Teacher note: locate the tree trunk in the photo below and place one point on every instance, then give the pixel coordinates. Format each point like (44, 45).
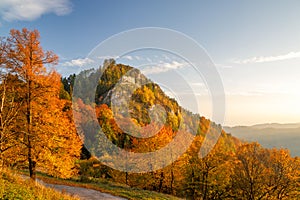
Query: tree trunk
(31, 162)
(172, 180)
(161, 181)
(205, 186)
(126, 178)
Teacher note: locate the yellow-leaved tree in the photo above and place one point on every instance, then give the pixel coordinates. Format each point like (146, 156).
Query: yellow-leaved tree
(47, 137)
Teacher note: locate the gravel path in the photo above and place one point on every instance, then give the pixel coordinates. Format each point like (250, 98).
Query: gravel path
(82, 193)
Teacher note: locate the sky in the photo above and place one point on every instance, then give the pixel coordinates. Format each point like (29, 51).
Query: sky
(255, 46)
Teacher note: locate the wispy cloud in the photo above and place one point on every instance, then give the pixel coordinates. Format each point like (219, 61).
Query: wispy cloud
(262, 59)
(108, 57)
(163, 67)
(80, 62)
(128, 57)
(149, 60)
(137, 57)
(28, 10)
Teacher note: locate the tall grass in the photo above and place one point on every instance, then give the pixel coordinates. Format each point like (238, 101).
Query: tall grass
(13, 187)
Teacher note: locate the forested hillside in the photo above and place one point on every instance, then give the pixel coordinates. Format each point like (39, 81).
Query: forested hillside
(225, 173)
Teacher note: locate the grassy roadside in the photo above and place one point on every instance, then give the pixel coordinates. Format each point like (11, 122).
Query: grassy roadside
(105, 186)
(13, 187)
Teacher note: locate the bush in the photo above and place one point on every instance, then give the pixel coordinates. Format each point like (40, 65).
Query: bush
(93, 168)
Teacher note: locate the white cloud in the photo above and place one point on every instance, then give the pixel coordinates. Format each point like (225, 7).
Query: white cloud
(80, 62)
(137, 57)
(108, 57)
(173, 65)
(128, 57)
(29, 10)
(163, 67)
(262, 59)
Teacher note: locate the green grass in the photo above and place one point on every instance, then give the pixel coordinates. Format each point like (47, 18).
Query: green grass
(13, 187)
(113, 188)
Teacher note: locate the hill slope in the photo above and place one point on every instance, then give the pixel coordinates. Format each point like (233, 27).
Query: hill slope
(145, 95)
(127, 136)
(175, 170)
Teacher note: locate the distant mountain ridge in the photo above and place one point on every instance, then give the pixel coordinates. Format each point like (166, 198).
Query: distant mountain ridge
(271, 125)
(270, 135)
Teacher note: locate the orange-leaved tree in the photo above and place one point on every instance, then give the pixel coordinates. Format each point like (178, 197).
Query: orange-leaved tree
(47, 138)
(260, 173)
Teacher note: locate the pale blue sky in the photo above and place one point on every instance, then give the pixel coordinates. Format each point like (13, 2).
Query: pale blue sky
(255, 44)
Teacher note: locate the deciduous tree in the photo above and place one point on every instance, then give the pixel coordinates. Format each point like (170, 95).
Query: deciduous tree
(47, 137)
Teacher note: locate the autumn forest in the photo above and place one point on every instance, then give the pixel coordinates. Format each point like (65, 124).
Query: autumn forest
(38, 133)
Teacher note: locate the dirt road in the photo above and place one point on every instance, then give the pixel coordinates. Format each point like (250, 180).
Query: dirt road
(82, 193)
